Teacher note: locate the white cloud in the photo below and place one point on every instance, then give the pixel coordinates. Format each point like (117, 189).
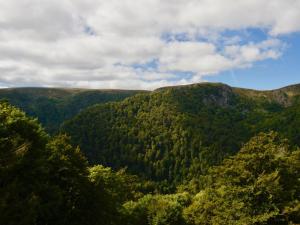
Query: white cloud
(193, 56)
(95, 43)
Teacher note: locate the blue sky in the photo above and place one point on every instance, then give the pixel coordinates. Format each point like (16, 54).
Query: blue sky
(268, 74)
(148, 44)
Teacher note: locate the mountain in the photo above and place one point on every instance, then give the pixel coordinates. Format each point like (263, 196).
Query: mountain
(174, 134)
(187, 146)
(54, 105)
(169, 135)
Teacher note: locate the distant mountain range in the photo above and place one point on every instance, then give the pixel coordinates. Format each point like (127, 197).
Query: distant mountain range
(169, 135)
(52, 106)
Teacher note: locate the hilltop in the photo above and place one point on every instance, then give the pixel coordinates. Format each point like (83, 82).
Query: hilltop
(177, 133)
(52, 106)
(176, 155)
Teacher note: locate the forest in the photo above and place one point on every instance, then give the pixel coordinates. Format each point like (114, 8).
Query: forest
(187, 155)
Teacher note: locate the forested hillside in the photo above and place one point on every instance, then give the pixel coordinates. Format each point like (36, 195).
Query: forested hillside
(45, 180)
(54, 105)
(175, 134)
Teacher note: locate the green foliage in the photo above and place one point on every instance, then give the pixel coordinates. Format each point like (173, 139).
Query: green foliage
(287, 122)
(190, 139)
(257, 186)
(156, 210)
(53, 106)
(71, 192)
(169, 136)
(119, 185)
(43, 180)
(21, 141)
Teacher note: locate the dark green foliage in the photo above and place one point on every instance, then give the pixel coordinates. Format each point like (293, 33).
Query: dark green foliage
(156, 210)
(260, 185)
(174, 139)
(173, 134)
(43, 180)
(21, 141)
(52, 106)
(119, 185)
(71, 193)
(287, 122)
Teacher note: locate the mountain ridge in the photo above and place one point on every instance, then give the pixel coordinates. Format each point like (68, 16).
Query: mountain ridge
(291, 87)
(52, 106)
(174, 133)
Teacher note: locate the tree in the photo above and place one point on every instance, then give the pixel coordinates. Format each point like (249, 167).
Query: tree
(69, 198)
(156, 210)
(22, 142)
(260, 185)
(44, 180)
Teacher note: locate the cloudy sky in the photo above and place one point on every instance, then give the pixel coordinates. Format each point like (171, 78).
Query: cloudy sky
(145, 44)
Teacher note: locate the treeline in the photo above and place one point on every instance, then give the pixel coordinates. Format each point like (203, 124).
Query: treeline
(52, 106)
(45, 180)
(173, 135)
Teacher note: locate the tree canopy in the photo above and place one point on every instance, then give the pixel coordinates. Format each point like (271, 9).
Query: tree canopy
(177, 156)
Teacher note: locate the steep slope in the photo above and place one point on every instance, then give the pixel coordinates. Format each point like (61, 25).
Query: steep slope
(176, 133)
(169, 135)
(54, 105)
(46, 180)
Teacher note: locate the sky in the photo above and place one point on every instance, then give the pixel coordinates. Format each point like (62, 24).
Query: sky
(146, 44)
